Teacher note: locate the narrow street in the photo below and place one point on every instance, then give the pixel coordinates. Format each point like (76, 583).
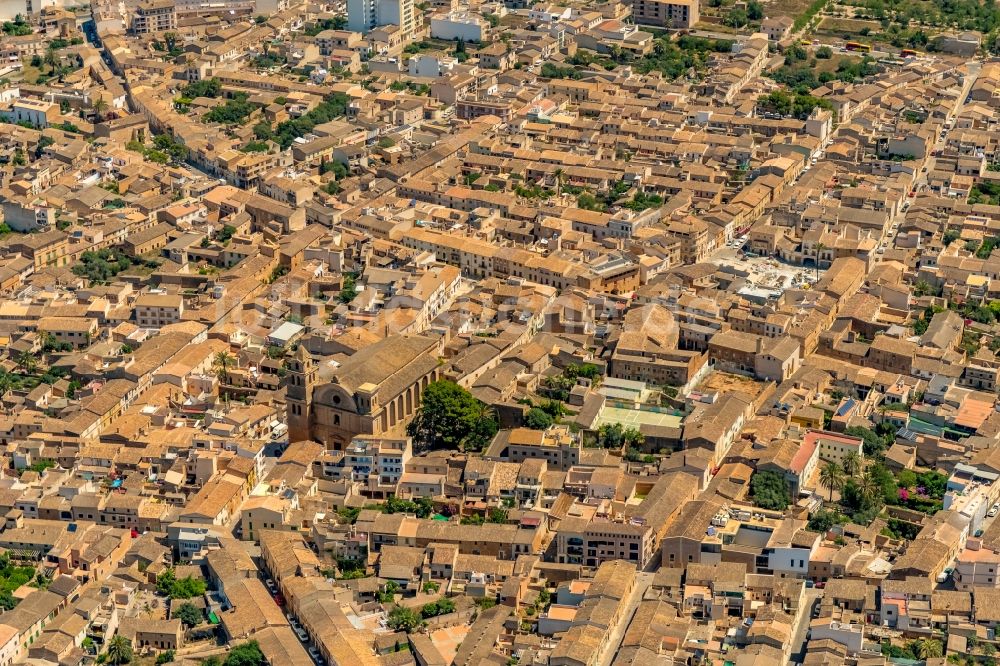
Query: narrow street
(800, 638)
(642, 582)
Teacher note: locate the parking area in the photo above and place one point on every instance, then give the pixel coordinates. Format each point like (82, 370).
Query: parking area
(293, 622)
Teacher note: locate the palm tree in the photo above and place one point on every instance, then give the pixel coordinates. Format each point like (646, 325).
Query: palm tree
(927, 648)
(119, 650)
(100, 106)
(27, 362)
(51, 60)
(632, 437)
(870, 488)
(223, 361)
(819, 249)
(851, 463)
(559, 181)
(831, 477)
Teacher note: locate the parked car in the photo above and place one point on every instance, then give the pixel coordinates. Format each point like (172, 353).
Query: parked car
(301, 633)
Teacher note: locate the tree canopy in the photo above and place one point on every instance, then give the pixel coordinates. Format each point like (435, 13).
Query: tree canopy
(204, 88)
(770, 491)
(188, 587)
(403, 619)
(537, 419)
(439, 607)
(246, 654)
(615, 435)
(189, 614)
(450, 418)
(284, 133)
(119, 650)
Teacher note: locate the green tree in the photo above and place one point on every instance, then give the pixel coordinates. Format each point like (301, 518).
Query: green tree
(769, 490)
(100, 107)
(736, 18)
(824, 53)
(247, 654)
(927, 648)
(188, 587)
(222, 362)
(537, 419)
(403, 619)
(822, 521)
(233, 112)
(755, 11)
(795, 53)
(189, 614)
(119, 650)
(204, 88)
(871, 488)
(851, 463)
(422, 508)
(615, 436)
(450, 417)
(19, 27)
(873, 445)
(388, 593)
(349, 289)
(51, 59)
(439, 607)
(165, 657)
(338, 169)
(27, 362)
(831, 477)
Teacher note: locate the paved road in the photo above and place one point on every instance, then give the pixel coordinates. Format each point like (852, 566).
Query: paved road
(642, 582)
(799, 641)
(975, 67)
